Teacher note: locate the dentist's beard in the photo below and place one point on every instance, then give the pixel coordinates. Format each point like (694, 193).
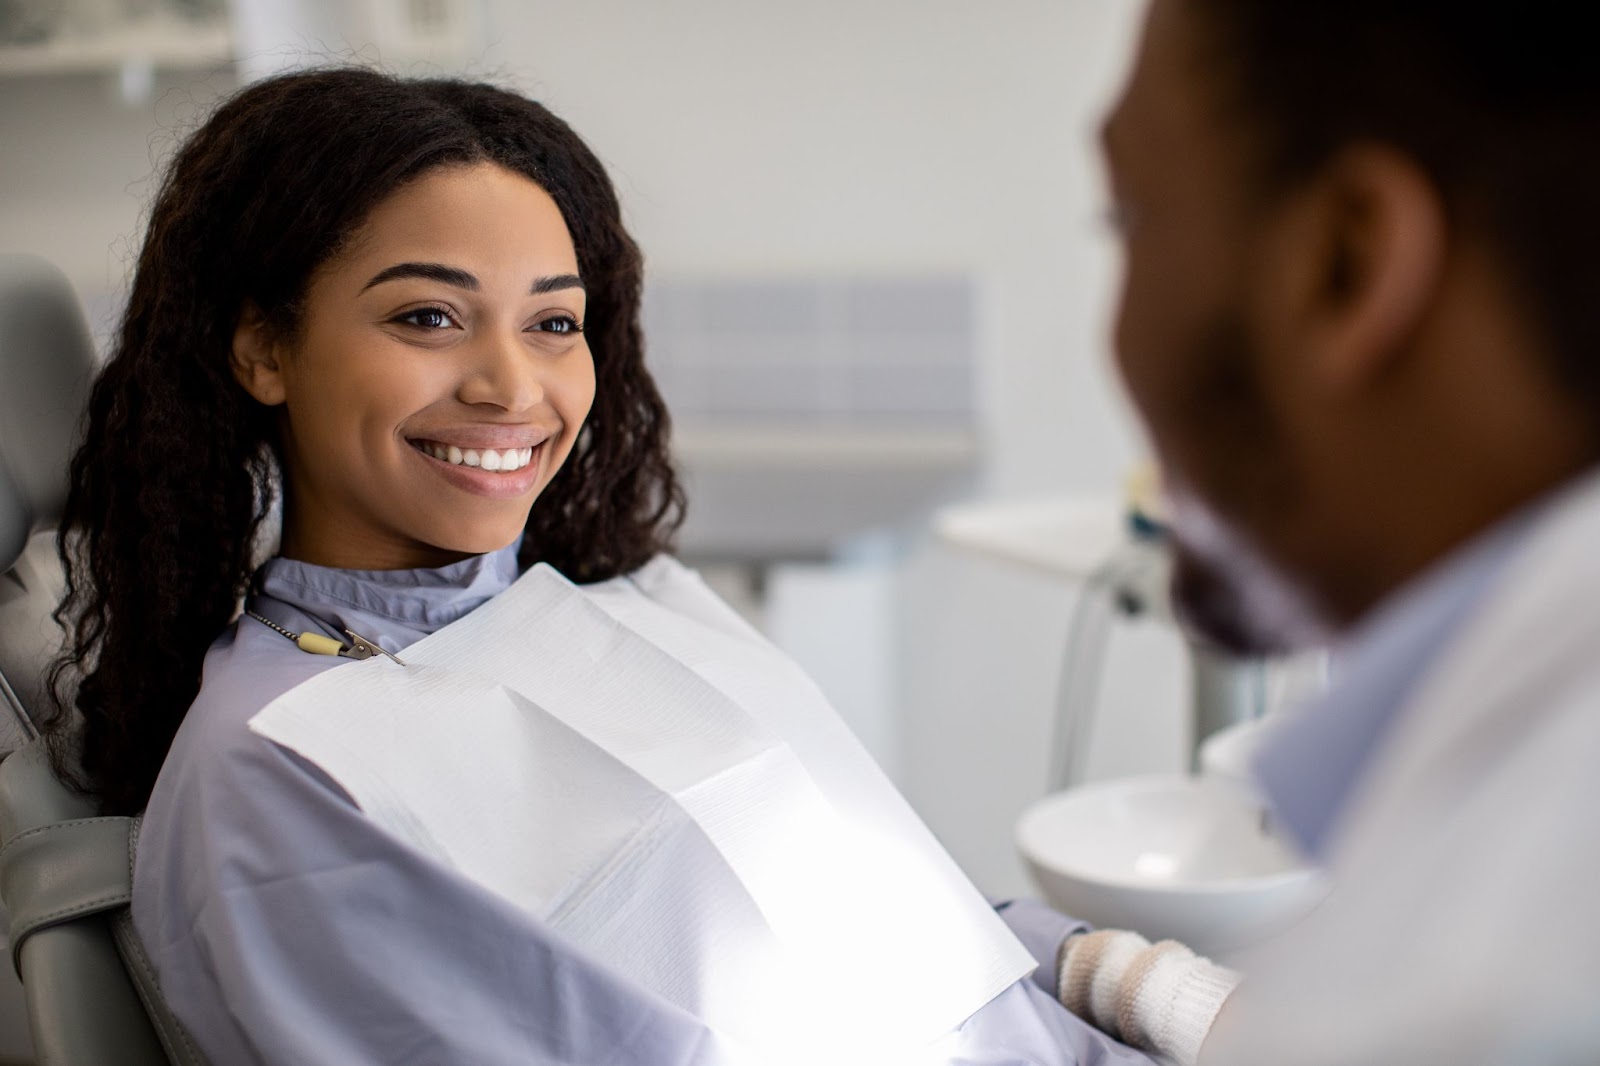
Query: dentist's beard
(1225, 593)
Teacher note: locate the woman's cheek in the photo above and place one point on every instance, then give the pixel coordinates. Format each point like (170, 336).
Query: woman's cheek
(582, 391)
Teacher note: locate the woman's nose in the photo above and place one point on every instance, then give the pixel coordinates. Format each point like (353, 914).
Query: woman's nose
(503, 373)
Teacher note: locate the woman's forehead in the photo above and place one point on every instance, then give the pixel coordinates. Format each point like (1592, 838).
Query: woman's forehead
(493, 223)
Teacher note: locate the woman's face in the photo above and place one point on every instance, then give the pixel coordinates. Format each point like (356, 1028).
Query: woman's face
(438, 381)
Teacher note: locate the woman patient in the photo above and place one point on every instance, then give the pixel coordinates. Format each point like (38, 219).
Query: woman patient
(410, 307)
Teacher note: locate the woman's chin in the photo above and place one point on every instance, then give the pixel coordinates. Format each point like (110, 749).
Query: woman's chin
(478, 542)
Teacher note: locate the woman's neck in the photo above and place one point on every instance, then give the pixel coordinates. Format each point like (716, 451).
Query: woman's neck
(361, 550)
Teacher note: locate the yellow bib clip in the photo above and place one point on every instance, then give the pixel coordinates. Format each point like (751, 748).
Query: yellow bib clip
(357, 647)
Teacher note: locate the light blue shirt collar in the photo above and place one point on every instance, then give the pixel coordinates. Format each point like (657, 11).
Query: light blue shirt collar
(395, 608)
(1310, 767)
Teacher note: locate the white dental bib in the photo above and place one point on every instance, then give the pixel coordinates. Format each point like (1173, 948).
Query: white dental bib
(639, 770)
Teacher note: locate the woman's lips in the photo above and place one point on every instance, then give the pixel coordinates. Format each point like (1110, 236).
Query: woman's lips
(482, 480)
(507, 459)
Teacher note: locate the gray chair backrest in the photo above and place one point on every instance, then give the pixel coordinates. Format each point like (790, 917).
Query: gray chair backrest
(67, 877)
(65, 874)
(46, 363)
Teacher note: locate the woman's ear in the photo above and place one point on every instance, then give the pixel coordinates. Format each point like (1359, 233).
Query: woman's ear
(257, 358)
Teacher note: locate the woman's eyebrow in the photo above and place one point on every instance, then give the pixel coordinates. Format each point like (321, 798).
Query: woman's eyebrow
(555, 283)
(446, 275)
(461, 279)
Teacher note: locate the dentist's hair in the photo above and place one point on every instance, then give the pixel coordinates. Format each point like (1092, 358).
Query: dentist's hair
(176, 472)
(1499, 105)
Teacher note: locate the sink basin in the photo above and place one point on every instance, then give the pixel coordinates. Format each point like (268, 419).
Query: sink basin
(1179, 857)
(1228, 753)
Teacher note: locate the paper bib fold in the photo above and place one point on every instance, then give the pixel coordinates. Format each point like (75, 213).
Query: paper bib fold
(633, 766)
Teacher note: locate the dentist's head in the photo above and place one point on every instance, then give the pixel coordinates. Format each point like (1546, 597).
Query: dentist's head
(415, 299)
(1357, 307)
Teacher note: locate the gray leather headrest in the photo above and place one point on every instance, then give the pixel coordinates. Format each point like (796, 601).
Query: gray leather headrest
(46, 364)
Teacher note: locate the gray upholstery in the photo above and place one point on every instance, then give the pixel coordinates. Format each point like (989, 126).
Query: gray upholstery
(27, 637)
(46, 362)
(60, 871)
(65, 873)
(29, 592)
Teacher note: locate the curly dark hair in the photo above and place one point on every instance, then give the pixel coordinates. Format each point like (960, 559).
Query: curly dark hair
(177, 470)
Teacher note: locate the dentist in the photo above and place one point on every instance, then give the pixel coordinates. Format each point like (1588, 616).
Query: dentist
(1359, 321)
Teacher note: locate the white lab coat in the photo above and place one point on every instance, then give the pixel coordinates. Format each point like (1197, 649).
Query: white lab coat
(1464, 925)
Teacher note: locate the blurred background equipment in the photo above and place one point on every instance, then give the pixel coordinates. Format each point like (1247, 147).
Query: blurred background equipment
(1187, 854)
(813, 412)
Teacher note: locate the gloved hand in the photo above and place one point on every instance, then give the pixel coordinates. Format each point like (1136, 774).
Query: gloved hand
(1160, 997)
(1157, 997)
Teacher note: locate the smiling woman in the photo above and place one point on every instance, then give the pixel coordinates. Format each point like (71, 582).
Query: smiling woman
(409, 310)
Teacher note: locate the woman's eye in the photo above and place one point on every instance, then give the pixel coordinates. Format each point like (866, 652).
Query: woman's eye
(560, 325)
(426, 318)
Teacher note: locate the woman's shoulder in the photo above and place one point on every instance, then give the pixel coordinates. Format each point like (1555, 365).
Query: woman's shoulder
(231, 811)
(228, 803)
(247, 668)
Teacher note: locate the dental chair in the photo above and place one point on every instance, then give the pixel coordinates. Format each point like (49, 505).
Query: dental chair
(65, 874)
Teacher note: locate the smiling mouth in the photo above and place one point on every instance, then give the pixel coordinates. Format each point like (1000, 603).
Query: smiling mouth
(504, 461)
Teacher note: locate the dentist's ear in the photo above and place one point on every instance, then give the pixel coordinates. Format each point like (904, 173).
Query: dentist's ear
(256, 359)
(1369, 249)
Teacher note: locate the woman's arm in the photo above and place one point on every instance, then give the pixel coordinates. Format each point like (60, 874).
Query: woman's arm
(286, 928)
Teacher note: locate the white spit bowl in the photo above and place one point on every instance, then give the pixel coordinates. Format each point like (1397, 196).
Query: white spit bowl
(1178, 857)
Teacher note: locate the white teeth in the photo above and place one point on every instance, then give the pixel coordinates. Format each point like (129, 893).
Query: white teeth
(487, 458)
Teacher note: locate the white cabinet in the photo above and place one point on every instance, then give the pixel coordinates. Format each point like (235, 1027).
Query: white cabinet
(54, 37)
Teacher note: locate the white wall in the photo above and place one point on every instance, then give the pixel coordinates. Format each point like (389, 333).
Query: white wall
(78, 165)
